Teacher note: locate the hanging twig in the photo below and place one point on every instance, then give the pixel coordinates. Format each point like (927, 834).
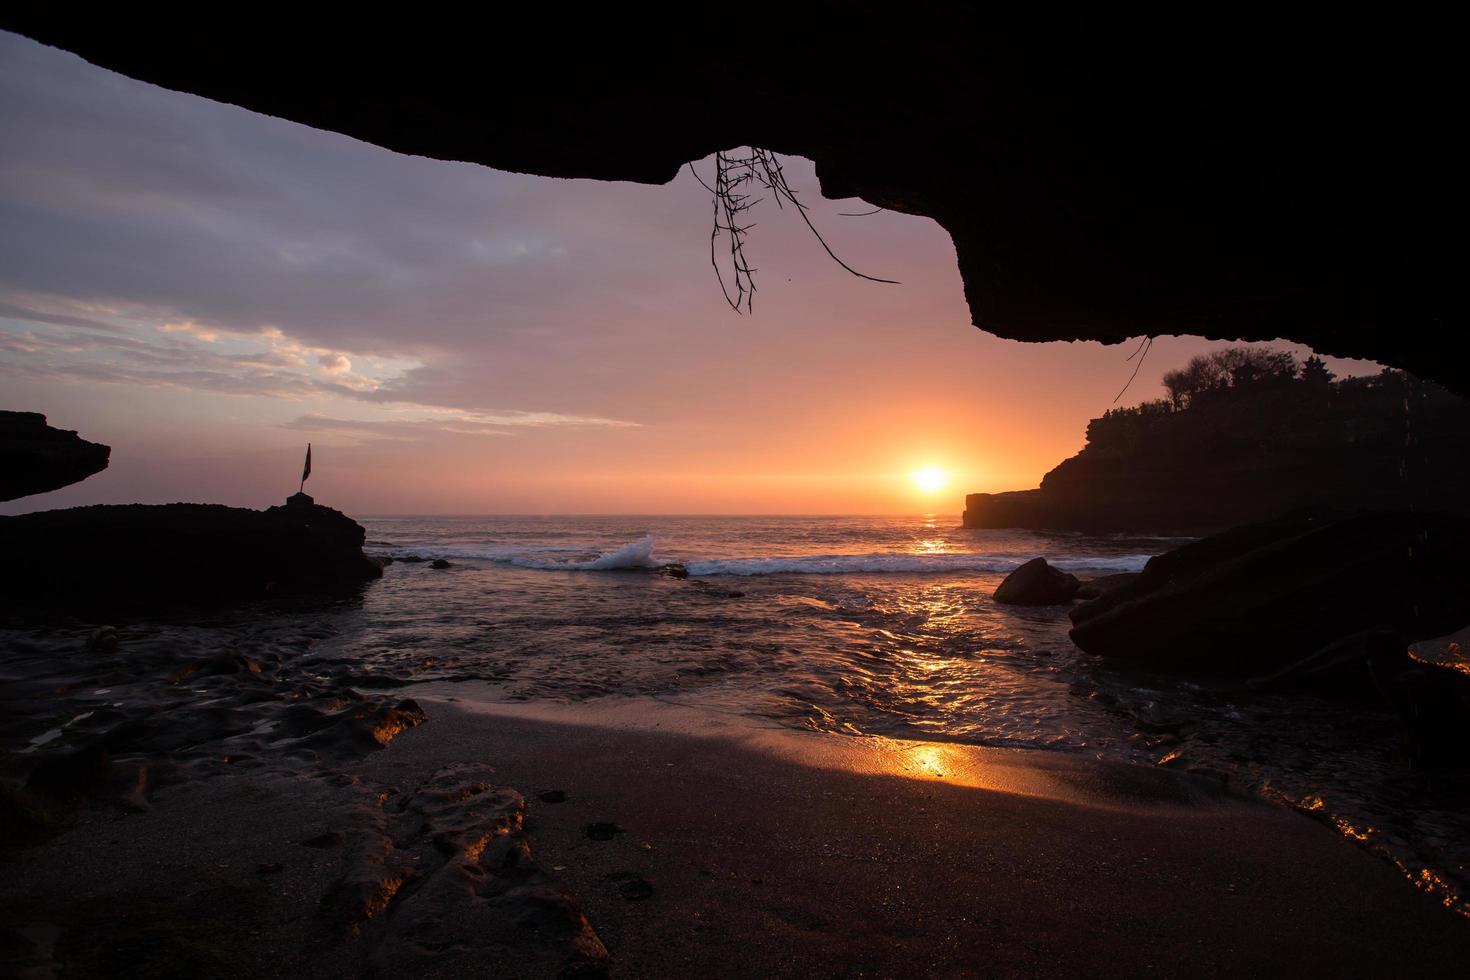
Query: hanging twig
(735, 175)
(1142, 352)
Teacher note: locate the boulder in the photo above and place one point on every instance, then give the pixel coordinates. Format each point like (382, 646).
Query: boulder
(35, 458)
(1037, 584)
(1434, 703)
(135, 559)
(1094, 588)
(1257, 599)
(439, 563)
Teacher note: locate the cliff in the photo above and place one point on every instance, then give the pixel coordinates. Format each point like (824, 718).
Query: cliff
(1386, 442)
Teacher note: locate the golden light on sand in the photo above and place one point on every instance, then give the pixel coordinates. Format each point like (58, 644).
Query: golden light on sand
(929, 479)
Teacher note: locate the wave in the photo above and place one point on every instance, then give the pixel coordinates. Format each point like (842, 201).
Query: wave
(639, 555)
(634, 554)
(905, 563)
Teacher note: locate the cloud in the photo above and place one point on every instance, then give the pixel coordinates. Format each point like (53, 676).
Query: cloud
(199, 219)
(335, 364)
(192, 329)
(485, 424)
(12, 311)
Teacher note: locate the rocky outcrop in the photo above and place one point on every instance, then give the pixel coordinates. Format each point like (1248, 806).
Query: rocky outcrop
(1102, 174)
(1385, 442)
(1037, 584)
(1261, 598)
(135, 558)
(35, 458)
(445, 881)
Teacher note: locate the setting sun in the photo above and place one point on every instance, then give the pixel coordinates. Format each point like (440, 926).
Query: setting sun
(930, 479)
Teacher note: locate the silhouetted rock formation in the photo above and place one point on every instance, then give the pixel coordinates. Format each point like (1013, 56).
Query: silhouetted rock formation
(1102, 174)
(133, 558)
(1037, 584)
(1261, 598)
(1243, 456)
(35, 458)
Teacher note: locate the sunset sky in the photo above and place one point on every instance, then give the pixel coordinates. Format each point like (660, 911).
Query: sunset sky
(206, 289)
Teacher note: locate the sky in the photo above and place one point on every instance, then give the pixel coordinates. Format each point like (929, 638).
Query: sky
(206, 290)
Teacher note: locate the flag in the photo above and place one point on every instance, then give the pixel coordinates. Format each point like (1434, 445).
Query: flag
(306, 470)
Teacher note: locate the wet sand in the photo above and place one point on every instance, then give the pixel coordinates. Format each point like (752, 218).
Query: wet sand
(742, 851)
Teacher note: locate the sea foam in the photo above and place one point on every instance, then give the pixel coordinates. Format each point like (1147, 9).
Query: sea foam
(639, 555)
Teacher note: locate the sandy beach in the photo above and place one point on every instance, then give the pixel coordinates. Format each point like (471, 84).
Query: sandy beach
(733, 850)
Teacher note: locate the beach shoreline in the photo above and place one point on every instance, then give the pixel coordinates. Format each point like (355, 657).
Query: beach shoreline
(735, 848)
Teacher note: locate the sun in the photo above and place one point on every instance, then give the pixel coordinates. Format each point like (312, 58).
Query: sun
(929, 479)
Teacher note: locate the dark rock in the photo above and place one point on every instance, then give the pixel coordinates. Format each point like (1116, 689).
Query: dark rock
(1356, 666)
(82, 772)
(479, 896)
(554, 796)
(330, 838)
(365, 889)
(269, 868)
(1434, 704)
(134, 558)
(1037, 584)
(1099, 179)
(1093, 588)
(439, 563)
(413, 559)
(356, 730)
(603, 831)
(35, 458)
(673, 570)
(1258, 599)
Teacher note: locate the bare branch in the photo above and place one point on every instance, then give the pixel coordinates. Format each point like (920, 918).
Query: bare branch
(1141, 353)
(734, 172)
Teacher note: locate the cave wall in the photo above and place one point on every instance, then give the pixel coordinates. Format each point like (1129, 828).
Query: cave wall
(1247, 176)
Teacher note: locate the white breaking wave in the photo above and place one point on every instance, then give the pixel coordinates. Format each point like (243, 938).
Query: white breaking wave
(959, 562)
(639, 555)
(634, 554)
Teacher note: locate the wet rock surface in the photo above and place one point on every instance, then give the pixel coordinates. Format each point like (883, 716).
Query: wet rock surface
(432, 876)
(36, 458)
(445, 877)
(1259, 598)
(88, 724)
(137, 559)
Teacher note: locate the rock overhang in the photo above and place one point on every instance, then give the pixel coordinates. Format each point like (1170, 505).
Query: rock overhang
(1101, 178)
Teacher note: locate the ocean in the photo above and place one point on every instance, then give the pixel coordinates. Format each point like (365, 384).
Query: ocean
(859, 626)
